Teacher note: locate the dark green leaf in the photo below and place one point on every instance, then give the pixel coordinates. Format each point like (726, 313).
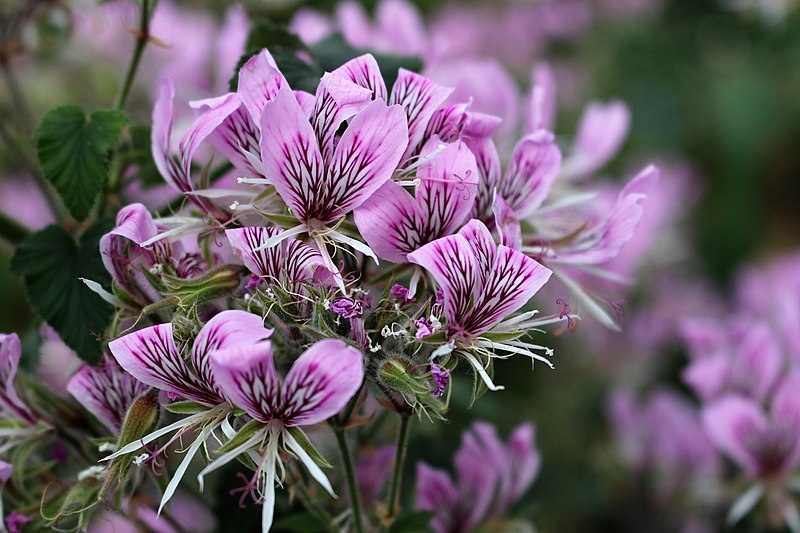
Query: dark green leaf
(74, 151)
(52, 262)
(415, 522)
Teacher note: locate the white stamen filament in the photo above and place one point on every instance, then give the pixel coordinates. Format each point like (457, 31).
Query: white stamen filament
(481, 372)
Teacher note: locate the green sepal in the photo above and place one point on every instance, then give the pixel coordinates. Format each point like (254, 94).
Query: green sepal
(302, 439)
(243, 435)
(185, 407)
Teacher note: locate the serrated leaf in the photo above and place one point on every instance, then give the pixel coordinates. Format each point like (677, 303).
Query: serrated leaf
(53, 262)
(412, 522)
(74, 152)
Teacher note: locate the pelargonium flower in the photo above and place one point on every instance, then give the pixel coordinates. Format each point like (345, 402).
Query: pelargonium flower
(320, 383)
(766, 446)
(320, 176)
(106, 391)
(491, 477)
(483, 283)
(152, 357)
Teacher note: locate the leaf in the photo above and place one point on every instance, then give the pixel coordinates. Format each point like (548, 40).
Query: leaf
(299, 523)
(412, 522)
(243, 435)
(74, 153)
(53, 262)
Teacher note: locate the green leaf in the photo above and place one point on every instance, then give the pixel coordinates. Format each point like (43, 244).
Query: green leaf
(52, 262)
(415, 522)
(299, 523)
(74, 153)
(242, 436)
(185, 407)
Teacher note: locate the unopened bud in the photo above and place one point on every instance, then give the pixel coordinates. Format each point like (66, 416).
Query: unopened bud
(216, 283)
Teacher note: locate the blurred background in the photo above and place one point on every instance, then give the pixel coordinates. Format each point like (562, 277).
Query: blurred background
(714, 93)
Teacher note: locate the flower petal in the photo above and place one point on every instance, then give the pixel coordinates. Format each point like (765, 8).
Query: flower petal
(452, 264)
(419, 97)
(391, 222)
(447, 191)
(436, 492)
(10, 352)
(150, 355)
(512, 281)
(507, 224)
(291, 156)
(477, 134)
(291, 261)
(364, 72)
(225, 330)
(534, 167)
(733, 424)
(161, 137)
(321, 382)
(246, 372)
(106, 391)
(601, 131)
(259, 82)
(542, 104)
(365, 158)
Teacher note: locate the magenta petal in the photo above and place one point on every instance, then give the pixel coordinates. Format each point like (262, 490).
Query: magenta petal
(338, 98)
(733, 424)
(106, 391)
(759, 363)
(321, 382)
(507, 224)
(216, 112)
(708, 375)
(10, 352)
(524, 457)
(134, 227)
(364, 72)
(477, 135)
(259, 82)
(6, 469)
(436, 492)
(237, 133)
(513, 280)
(365, 158)
(452, 265)
(419, 97)
(449, 184)
(483, 248)
(542, 103)
(391, 222)
(601, 132)
(161, 137)
(246, 372)
(150, 355)
(291, 156)
(292, 261)
(225, 330)
(534, 167)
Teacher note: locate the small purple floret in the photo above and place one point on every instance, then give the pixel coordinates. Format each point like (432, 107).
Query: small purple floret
(441, 376)
(424, 328)
(347, 307)
(401, 293)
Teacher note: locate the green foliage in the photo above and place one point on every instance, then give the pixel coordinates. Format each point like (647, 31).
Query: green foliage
(326, 56)
(74, 153)
(53, 262)
(299, 523)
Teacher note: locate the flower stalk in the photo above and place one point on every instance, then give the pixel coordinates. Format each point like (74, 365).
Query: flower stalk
(399, 460)
(352, 484)
(142, 37)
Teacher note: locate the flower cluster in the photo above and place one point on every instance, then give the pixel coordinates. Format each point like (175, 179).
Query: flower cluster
(332, 249)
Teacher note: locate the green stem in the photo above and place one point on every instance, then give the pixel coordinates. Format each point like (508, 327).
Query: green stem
(318, 512)
(352, 486)
(399, 459)
(141, 42)
(17, 97)
(11, 230)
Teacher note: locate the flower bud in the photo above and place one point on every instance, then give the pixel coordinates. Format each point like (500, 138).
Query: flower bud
(216, 283)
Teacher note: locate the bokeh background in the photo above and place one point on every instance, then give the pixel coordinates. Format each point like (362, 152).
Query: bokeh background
(714, 92)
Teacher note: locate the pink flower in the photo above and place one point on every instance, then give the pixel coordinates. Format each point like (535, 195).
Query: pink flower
(10, 351)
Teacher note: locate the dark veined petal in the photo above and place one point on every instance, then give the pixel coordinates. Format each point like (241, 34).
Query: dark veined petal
(291, 156)
(365, 158)
(391, 222)
(534, 167)
(734, 424)
(364, 72)
(483, 249)
(246, 372)
(237, 134)
(477, 134)
(321, 382)
(338, 98)
(150, 355)
(225, 330)
(106, 391)
(451, 263)
(10, 352)
(448, 185)
(436, 492)
(259, 82)
(419, 97)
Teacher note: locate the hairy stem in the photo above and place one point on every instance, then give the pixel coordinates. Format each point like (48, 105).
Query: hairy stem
(399, 459)
(352, 486)
(141, 41)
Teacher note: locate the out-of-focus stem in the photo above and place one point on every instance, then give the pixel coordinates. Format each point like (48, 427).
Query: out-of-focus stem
(399, 459)
(21, 107)
(352, 486)
(141, 42)
(11, 230)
